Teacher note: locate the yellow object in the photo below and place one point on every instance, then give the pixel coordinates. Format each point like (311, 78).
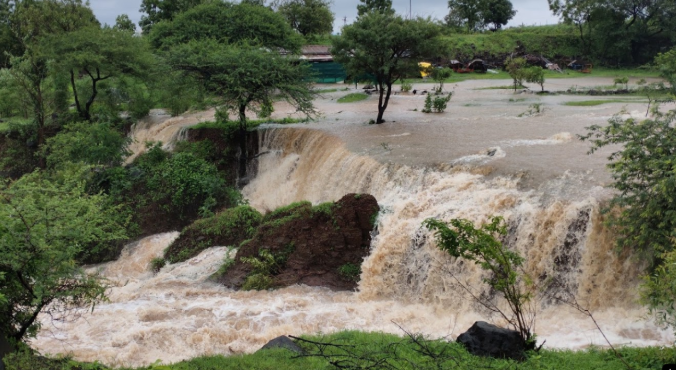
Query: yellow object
(425, 66)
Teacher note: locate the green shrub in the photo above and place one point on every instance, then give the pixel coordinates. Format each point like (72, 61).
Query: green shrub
(437, 104)
(157, 263)
(350, 271)
(353, 97)
(86, 142)
(264, 267)
(406, 86)
(229, 227)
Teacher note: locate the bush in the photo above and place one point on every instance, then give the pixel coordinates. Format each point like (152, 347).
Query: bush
(89, 143)
(157, 263)
(350, 271)
(437, 104)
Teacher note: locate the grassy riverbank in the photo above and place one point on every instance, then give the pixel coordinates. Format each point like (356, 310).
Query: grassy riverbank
(362, 349)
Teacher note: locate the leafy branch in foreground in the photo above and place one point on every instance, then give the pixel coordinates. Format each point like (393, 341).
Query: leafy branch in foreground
(45, 224)
(461, 239)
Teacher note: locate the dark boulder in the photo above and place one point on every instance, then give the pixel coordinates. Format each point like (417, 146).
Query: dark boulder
(283, 342)
(484, 339)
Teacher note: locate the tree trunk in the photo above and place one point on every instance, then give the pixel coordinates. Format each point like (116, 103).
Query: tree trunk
(242, 171)
(383, 101)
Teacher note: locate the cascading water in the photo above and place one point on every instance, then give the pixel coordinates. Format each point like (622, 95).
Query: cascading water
(178, 314)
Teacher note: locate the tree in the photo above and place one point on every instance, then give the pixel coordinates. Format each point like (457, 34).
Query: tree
(465, 14)
(246, 78)
(101, 54)
(227, 23)
(496, 12)
(387, 47)
(380, 6)
(44, 224)
(30, 23)
(461, 239)
(163, 10)
(643, 170)
(535, 75)
(515, 67)
(123, 23)
(308, 17)
(621, 31)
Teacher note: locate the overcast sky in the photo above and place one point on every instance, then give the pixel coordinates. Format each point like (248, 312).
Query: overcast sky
(529, 12)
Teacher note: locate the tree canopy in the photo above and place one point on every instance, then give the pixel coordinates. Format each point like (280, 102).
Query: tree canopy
(387, 47)
(246, 78)
(476, 15)
(380, 6)
(156, 11)
(227, 23)
(308, 17)
(101, 54)
(622, 31)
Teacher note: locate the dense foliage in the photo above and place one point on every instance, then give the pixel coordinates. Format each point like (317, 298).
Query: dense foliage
(308, 17)
(471, 16)
(45, 223)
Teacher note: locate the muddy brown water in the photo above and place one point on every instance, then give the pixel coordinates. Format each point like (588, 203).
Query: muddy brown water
(538, 177)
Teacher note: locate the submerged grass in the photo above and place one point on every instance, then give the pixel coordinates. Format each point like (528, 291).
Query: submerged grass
(353, 97)
(592, 103)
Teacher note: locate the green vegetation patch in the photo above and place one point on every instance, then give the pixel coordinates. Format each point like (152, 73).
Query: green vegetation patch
(229, 227)
(353, 97)
(502, 87)
(592, 103)
(400, 352)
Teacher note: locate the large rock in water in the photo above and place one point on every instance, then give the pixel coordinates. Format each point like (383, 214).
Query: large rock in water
(322, 245)
(484, 339)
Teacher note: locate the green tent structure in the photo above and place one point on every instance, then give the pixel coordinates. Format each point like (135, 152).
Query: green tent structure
(322, 64)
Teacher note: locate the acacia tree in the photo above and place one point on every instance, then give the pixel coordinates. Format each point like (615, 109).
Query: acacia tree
(387, 47)
(308, 17)
(44, 225)
(101, 54)
(246, 78)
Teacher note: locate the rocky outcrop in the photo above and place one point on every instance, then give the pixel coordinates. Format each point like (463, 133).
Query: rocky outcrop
(322, 245)
(484, 339)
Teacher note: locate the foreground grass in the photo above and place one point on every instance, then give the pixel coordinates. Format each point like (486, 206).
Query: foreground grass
(353, 97)
(361, 350)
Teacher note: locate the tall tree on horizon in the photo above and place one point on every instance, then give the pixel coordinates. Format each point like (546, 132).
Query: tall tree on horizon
(381, 6)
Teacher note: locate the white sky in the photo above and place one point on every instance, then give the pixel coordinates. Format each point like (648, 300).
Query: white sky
(529, 12)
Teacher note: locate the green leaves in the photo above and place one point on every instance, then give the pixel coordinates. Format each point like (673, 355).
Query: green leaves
(461, 239)
(45, 223)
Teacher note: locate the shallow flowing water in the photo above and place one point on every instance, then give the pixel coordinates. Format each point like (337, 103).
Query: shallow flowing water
(532, 171)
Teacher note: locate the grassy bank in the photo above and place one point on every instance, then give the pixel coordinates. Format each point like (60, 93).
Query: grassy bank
(362, 349)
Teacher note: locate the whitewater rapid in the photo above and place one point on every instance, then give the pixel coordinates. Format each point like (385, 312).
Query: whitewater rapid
(178, 313)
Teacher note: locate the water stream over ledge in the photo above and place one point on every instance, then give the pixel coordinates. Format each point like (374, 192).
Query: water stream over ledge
(177, 314)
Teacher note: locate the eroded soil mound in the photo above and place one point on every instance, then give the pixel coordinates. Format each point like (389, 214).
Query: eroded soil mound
(301, 244)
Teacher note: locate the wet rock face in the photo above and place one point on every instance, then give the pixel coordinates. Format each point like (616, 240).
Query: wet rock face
(317, 246)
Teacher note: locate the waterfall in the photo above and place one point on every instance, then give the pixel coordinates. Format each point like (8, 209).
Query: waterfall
(178, 313)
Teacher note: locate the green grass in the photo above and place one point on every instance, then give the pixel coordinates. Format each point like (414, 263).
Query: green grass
(592, 103)
(326, 91)
(401, 353)
(353, 97)
(250, 123)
